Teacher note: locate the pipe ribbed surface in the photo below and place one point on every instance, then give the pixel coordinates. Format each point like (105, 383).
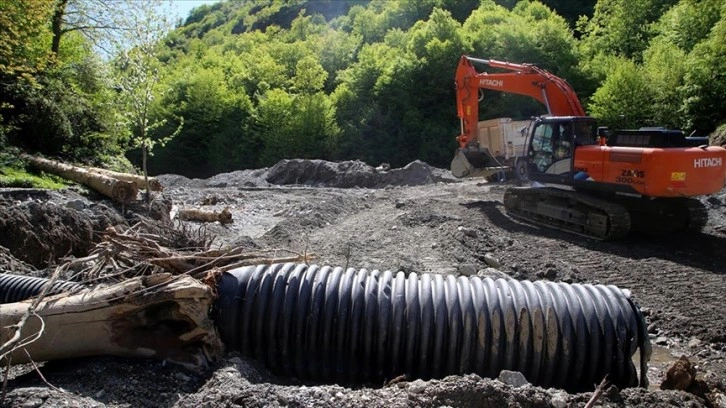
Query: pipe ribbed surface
(16, 288)
(358, 326)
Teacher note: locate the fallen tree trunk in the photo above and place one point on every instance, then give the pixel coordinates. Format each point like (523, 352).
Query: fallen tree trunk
(153, 184)
(196, 214)
(118, 190)
(155, 316)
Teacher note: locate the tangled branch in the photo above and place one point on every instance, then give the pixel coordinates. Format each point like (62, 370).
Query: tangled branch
(143, 250)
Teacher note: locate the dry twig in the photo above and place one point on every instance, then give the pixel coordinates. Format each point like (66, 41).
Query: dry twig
(125, 253)
(16, 341)
(598, 392)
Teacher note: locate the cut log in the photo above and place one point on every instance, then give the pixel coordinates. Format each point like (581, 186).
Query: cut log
(156, 316)
(195, 214)
(154, 184)
(118, 190)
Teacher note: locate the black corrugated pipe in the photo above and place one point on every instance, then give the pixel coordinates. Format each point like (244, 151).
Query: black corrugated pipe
(16, 288)
(355, 326)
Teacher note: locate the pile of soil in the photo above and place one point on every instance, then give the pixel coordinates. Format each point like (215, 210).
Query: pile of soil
(416, 219)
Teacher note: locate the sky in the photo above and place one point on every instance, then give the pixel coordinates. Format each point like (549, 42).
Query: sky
(182, 7)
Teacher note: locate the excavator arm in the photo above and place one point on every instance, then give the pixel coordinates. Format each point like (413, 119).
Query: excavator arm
(523, 79)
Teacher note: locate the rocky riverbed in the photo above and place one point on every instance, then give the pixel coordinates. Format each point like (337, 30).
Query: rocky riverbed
(414, 219)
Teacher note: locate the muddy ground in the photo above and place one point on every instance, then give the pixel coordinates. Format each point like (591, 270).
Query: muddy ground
(415, 219)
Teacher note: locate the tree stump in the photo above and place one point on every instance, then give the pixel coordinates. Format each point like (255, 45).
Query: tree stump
(158, 316)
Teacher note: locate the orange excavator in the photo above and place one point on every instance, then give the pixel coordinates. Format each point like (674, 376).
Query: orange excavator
(587, 180)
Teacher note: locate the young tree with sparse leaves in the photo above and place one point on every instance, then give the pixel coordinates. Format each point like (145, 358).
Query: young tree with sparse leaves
(138, 76)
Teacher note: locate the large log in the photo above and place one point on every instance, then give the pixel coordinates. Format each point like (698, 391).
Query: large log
(118, 190)
(154, 184)
(155, 316)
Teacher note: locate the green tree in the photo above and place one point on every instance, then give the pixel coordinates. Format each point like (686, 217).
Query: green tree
(23, 37)
(705, 79)
(621, 27)
(688, 22)
(23, 54)
(309, 76)
(68, 114)
(529, 33)
(300, 125)
(139, 73)
(216, 136)
(58, 104)
(360, 113)
(664, 69)
(624, 99)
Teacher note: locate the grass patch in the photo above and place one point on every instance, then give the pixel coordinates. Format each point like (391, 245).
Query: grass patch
(14, 177)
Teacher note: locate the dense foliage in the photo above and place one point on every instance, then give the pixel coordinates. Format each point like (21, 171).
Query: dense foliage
(256, 82)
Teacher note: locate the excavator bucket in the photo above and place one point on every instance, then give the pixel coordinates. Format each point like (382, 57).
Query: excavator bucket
(473, 162)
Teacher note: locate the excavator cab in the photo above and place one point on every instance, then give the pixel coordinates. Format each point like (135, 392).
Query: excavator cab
(552, 144)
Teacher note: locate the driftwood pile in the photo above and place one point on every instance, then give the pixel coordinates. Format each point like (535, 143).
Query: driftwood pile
(150, 290)
(148, 249)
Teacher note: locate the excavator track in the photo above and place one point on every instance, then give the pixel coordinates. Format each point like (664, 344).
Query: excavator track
(666, 215)
(570, 211)
(698, 214)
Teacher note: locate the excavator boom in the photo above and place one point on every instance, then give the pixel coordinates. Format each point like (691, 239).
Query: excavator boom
(523, 79)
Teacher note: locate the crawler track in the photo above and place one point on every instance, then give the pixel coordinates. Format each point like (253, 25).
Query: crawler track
(604, 218)
(569, 211)
(665, 215)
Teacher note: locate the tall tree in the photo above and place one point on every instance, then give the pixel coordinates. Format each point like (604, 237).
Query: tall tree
(621, 27)
(624, 99)
(23, 26)
(705, 79)
(139, 72)
(23, 31)
(99, 21)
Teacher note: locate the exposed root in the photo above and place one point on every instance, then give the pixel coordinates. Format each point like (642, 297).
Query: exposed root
(147, 249)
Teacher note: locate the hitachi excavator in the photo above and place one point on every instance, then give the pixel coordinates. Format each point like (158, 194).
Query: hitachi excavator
(588, 180)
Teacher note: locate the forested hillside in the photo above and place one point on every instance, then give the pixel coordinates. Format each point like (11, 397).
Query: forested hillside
(244, 84)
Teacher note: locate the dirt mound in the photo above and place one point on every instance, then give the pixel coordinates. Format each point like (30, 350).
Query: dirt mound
(39, 227)
(349, 174)
(39, 232)
(238, 383)
(177, 181)
(11, 264)
(317, 173)
(239, 178)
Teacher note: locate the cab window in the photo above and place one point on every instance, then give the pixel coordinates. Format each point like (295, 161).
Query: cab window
(542, 141)
(585, 134)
